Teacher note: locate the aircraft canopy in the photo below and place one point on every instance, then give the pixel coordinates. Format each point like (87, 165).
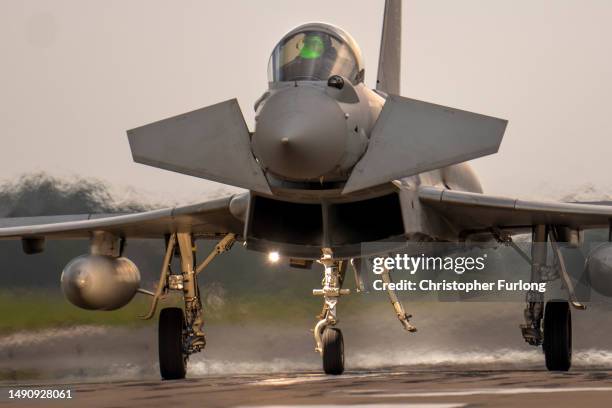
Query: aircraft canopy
(314, 52)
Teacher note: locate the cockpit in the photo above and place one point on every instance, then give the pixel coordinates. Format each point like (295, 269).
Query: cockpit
(314, 52)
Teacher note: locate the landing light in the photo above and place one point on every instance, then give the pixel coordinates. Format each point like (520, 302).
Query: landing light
(273, 256)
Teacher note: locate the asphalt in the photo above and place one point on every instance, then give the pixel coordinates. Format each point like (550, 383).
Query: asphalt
(458, 358)
(390, 387)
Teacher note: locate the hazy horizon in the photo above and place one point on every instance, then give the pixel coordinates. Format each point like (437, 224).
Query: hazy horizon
(77, 74)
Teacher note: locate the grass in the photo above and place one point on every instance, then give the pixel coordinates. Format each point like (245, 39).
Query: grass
(34, 309)
(37, 309)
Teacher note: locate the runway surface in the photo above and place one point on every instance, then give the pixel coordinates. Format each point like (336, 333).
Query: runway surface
(455, 360)
(371, 389)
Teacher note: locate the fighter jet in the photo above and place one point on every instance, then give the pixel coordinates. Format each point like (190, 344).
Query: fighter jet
(331, 165)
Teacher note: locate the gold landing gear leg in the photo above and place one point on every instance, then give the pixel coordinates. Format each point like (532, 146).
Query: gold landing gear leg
(328, 339)
(180, 330)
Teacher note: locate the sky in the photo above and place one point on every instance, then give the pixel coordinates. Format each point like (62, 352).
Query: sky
(76, 74)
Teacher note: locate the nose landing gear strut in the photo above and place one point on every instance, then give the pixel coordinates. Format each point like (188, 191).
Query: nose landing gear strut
(328, 339)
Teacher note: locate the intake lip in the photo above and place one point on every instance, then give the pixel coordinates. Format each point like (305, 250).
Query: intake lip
(301, 134)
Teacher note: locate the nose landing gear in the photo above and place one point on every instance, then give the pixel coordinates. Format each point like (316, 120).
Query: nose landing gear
(328, 339)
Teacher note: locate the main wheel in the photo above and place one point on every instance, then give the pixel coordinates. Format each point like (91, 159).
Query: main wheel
(172, 358)
(333, 351)
(557, 336)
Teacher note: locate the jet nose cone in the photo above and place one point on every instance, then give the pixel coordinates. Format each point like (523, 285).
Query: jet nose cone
(301, 134)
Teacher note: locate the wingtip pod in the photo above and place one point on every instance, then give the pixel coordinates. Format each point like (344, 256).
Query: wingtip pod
(412, 137)
(211, 143)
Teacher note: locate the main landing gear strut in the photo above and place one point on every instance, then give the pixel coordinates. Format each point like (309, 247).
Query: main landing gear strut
(555, 335)
(180, 329)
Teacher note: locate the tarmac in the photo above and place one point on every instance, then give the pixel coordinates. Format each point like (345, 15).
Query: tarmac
(457, 359)
(389, 387)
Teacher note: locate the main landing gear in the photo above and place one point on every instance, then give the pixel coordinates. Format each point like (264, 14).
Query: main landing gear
(180, 330)
(555, 335)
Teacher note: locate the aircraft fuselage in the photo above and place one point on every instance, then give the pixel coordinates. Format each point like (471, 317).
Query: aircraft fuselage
(308, 137)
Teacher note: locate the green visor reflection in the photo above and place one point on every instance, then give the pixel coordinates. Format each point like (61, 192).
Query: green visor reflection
(313, 47)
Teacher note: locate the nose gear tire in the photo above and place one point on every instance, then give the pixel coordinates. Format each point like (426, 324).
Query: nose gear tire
(333, 351)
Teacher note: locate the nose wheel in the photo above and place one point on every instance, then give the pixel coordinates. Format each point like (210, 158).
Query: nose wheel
(328, 339)
(333, 351)
(557, 336)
